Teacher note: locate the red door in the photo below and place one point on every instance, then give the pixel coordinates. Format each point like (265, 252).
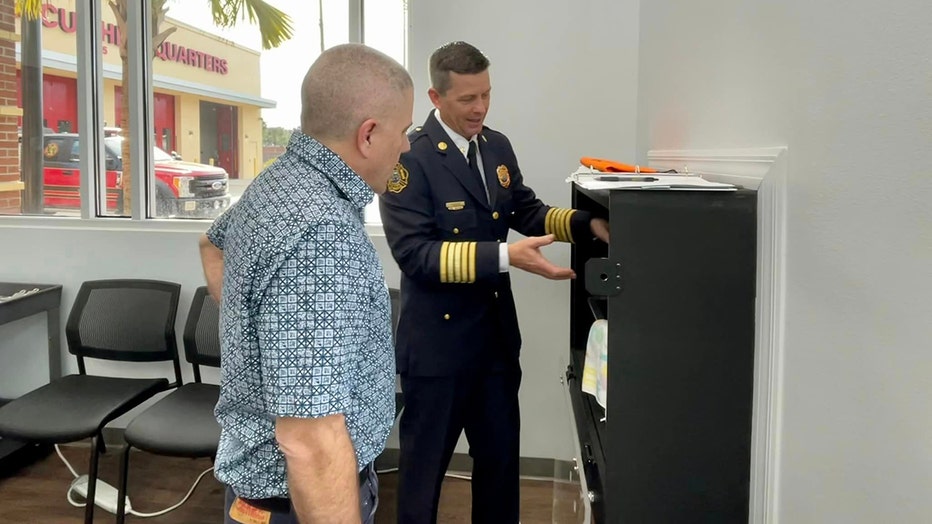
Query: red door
(165, 122)
(163, 115)
(60, 96)
(226, 140)
(60, 101)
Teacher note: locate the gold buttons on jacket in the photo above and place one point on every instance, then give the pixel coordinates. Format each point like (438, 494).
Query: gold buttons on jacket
(456, 231)
(495, 215)
(446, 317)
(442, 146)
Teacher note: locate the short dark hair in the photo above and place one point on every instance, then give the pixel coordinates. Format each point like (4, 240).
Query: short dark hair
(455, 57)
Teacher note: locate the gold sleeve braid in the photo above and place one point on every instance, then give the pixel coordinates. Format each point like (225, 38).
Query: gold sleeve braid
(558, 222)
(458, 262)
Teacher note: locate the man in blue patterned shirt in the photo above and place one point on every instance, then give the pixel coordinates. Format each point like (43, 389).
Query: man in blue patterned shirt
(307, 374)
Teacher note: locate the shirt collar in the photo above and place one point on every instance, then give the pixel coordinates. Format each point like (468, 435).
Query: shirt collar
(459, 141)
(333, 168)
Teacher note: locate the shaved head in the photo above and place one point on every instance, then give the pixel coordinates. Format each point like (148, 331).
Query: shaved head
(347, 85)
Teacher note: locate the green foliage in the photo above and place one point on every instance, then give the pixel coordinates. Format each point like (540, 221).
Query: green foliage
(274, 26)
(275, 136)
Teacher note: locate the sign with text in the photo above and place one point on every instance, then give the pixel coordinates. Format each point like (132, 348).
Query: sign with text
(64, 20)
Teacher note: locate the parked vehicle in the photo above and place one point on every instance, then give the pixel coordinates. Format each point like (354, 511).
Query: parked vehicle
(182, 189)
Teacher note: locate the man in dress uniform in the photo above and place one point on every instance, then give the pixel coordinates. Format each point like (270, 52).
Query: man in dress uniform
(446, 215)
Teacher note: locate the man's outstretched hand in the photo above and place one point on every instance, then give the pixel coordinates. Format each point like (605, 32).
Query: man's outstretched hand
(525, 254)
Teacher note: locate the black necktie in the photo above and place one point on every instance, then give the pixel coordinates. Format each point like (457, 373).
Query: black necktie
(474, 164)
(471, 158)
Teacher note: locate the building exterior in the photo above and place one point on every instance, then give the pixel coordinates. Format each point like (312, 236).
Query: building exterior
(206, 91)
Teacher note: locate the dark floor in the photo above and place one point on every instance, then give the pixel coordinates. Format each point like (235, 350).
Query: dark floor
(37, 493)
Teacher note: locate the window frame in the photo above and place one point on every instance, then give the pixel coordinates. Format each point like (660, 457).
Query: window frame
(90, 103)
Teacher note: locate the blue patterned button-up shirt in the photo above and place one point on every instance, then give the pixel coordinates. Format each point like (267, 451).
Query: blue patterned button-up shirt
(305, 323)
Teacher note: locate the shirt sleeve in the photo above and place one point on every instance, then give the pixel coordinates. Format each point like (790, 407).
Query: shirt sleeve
(218, 230)
(312, 318)
(503, 260)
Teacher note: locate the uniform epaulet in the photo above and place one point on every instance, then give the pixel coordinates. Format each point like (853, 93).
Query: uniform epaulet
(416, 133)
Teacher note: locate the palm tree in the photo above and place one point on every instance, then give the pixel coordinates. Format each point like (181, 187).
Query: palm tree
(274, 29)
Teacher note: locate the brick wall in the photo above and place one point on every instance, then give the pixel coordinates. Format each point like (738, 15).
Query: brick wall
(10, 201)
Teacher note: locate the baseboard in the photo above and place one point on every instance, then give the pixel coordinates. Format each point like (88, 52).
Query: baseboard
(765, 170)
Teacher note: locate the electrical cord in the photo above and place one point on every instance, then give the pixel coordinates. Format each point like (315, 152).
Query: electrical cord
(176, 506)
(458, 476)
(73, 482)
(67, 464)
(129, 511)
(451, 475)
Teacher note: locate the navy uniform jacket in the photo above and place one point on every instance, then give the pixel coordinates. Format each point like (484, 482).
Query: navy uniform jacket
(457, 308)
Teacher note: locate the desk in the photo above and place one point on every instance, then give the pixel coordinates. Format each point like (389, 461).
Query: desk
(47, 299)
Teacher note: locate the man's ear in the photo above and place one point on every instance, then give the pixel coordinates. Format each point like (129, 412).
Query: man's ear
(434, 97)
(364, 137)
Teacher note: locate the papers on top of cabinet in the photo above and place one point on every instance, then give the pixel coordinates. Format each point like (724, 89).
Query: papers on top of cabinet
(590, 179)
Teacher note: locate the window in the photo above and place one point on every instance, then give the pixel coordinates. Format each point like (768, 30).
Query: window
(386, 24)
(217, 107)
(21, 124)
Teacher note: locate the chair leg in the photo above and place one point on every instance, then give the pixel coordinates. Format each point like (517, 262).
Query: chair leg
(92, 480)
(124, 482)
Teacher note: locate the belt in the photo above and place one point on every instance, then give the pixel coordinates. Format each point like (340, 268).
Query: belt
(283, 504)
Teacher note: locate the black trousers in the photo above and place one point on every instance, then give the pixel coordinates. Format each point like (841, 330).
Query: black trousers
(436, 411)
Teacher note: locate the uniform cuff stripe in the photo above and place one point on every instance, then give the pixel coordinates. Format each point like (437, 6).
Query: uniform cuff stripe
(558, 223)
(458, 262)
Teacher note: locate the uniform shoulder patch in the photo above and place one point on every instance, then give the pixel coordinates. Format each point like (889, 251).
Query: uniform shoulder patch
(399, 180)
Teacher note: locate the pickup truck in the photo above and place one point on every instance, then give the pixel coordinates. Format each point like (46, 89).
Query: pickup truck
(182, 189)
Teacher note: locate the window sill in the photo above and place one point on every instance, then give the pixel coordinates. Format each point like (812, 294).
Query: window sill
(104, 224)
(125, 224)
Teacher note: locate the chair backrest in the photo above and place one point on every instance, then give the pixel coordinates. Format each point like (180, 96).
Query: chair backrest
(124, 319)
(202, 332)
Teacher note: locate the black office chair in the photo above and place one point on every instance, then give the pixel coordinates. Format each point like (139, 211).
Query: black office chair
(182, 424)
(121, 320)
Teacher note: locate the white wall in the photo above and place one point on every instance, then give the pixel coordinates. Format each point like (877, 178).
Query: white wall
(848, 88)
(563, 86)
